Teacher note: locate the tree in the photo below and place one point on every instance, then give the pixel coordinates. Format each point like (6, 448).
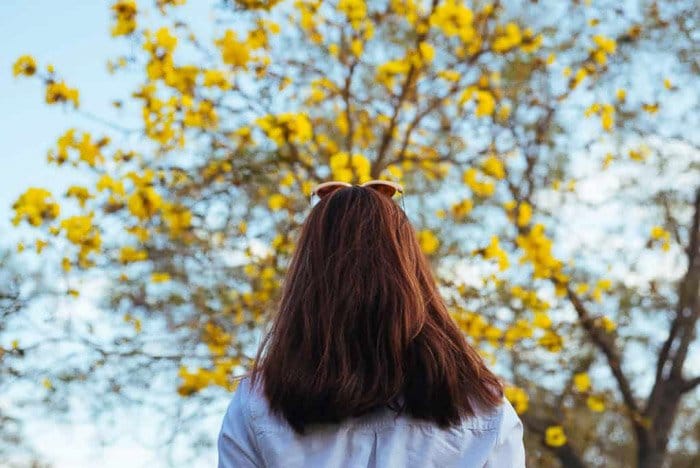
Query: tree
(515, 127)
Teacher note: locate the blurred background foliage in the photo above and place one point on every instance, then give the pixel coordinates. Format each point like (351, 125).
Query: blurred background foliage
(550, 160)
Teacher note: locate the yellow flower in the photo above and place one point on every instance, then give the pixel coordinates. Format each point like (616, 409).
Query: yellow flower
(607, 160)
(355, 10)
(621, 94)
(493, 166)
(145, 202)
(453, 18)
(47, 384)
(494, 251)
(233, 51)
(80, 193)
(427, 51)
(39, 245)
(582, 382)
(554, 436)
(658, 233)
(160, 277)
(507, 37)
(530, 42)
(344, 167)
(595, 403)
(276, 201)
(667, 83)
(280, 128)
(485, 103)
(60, 92)
(542, 320)
(428, 241)
(130, 254)
(216, 78)
(35, 205)
(125, 15)
(606, 112)
(652, 108)
(388, 71)
(449, 75)
(606, 324)
(356, 47)
(517, 397)
(483, 189)
(551, 341)
(462, 209)
(25, 65)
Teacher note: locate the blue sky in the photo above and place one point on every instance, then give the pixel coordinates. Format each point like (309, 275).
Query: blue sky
(74, 37)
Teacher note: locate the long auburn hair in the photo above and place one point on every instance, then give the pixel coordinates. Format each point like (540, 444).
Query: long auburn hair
(361, 324)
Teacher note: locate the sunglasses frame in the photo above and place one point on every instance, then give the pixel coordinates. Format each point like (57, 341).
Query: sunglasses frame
(398, 188)
(395, 186)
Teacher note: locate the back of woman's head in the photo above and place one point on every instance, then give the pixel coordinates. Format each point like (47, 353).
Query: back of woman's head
(361, 324)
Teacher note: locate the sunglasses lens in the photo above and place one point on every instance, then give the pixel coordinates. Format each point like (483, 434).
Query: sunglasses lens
(323, 191)
(384, 188)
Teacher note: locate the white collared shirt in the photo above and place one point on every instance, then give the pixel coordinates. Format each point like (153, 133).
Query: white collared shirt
(252, 436)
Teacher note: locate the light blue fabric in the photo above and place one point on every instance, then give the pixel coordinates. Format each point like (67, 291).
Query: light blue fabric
(251, 436)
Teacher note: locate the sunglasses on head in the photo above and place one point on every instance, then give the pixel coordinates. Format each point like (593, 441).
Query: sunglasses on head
(385, 187)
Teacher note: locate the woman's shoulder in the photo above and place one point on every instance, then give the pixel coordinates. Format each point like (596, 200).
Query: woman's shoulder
(249, 400)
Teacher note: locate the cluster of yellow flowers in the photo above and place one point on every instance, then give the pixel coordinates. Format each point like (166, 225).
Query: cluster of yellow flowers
(347, 167)
(428, 241)
(597, 58)
(604, 46)
(537, 248)
(518, 331)
(551, 341)
(177, 218)
(355, 11)
(216, 339)
(524, 212)
(35, 205)
(510, 36)
(461, 209)
(159, 117)
(115, 188)
(530, 299)
(25, 66)
(286, 127)
(582, 383)
(82, 194)
(476, 327)
(554, 436)
(265, 279)
(662, 236)
(258, 4)
(389, 71)
(58, 91)
(605, 111)
(454, 18)
(129, 254)
(81, 232)
(495, 252)
(517, 397)
(89, 151)
(493, 166)
(480, 188)
(603, 285)
(234, 52)
(125, 17)
(220, 375)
